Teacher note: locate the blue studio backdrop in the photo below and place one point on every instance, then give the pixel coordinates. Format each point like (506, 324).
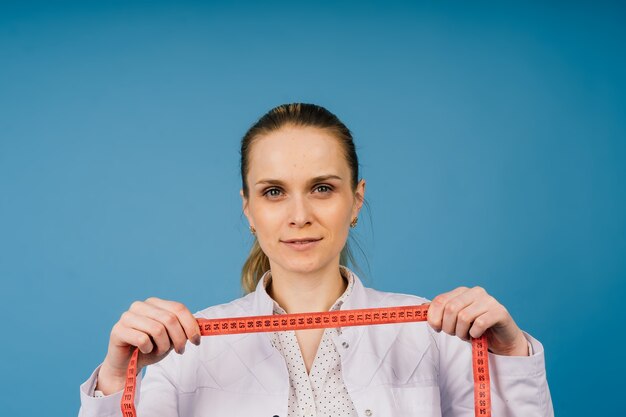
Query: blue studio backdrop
(492, 137)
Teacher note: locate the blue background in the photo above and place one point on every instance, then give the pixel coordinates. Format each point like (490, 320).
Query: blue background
(492, 137)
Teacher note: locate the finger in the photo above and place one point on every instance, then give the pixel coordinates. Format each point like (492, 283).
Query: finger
(466, 317)
(153, 328)
(126, 336)
(482, 323)
(455, 305)
(452, 309)
(437, 305)
(169, 321)
(185, 318)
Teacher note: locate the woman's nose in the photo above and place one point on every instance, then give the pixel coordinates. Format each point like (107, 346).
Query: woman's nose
(300, 212)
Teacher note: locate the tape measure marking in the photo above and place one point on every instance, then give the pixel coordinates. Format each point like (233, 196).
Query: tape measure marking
(128, 396)
(480, 369)
(339, 318)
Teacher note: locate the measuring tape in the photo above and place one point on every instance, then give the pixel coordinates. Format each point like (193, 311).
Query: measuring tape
(304, 321)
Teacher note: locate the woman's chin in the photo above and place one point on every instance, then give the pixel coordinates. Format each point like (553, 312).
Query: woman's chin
(304, 266)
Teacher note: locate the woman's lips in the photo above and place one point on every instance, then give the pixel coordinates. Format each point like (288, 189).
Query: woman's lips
(302, 245)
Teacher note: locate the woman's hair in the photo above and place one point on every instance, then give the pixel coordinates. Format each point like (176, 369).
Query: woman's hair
(294, 114)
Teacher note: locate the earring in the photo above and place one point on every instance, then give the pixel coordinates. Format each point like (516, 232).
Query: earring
(354, 222)
(252, 230)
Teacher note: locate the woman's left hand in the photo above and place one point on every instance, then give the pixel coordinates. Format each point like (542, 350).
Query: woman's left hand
(466, 312)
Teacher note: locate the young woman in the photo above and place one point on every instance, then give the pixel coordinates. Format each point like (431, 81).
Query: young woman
(301, 194)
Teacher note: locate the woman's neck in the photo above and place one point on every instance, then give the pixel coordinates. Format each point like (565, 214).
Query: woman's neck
(309, 292)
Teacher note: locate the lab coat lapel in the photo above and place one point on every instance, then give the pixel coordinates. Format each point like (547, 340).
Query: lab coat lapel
(256, 352)
(247, 362)
(359, 369)
(263, 362)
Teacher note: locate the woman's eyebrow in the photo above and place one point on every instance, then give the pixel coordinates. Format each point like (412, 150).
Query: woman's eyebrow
(311, 181)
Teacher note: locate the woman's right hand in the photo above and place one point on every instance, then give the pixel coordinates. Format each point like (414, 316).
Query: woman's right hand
(155, 326)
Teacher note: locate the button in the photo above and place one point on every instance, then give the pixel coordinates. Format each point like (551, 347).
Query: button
(345, 345)
(368, 412)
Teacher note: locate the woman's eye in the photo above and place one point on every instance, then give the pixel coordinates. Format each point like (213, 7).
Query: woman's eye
(324, 188)
(272, 192)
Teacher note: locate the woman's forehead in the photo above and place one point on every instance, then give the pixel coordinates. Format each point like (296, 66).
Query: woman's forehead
(294, 152)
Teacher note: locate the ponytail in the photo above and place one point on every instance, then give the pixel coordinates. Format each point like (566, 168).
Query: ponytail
(253, 269)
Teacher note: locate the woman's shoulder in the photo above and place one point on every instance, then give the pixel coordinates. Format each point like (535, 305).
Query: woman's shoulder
(390, 299)
(237, 307)
(365, 296)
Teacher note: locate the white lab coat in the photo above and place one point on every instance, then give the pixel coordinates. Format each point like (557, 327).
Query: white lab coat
(389, 370)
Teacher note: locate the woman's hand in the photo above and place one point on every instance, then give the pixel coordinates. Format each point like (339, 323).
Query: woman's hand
(466, 312)
(155, 326)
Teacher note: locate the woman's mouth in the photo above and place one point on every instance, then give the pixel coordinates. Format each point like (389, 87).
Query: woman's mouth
(301, 244)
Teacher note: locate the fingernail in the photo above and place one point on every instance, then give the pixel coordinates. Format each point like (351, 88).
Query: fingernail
(182, 350)
(196, 340)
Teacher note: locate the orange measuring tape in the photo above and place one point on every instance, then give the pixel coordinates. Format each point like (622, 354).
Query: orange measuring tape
(303, 321)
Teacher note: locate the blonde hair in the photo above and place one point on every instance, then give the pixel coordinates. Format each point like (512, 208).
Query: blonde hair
(297, 114)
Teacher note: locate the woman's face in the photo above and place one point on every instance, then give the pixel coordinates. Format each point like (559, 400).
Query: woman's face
(300, 188)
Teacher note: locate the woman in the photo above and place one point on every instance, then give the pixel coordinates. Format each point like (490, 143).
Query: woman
(301, 194)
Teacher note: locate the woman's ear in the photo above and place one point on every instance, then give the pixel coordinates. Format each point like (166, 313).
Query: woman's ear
(359, 197)
(244, 204)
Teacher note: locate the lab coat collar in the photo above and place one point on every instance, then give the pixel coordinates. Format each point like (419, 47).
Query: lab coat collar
(264, 304)
(355, 375)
